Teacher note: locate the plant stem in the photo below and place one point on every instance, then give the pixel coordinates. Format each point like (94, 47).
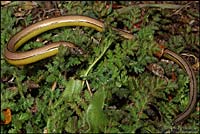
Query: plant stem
(93, 64)
(101, 55)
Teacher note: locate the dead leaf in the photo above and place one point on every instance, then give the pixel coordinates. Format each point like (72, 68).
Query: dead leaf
(5, 2)
(156, 69)
(174, 78)
(31, 84)
(53, 87)
(7, 115)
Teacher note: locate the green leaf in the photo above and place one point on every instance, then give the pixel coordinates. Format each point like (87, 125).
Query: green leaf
(95, 115)
(72, 88)
(24, 116)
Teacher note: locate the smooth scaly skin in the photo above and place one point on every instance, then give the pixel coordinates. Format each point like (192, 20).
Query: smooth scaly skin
(23, 58)
(193, 84)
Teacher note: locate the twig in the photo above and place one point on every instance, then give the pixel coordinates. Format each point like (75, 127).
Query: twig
(163, 6)
(88, 87)
(182, 7)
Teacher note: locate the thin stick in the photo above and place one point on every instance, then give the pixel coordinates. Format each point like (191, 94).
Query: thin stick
(88, 87)
(163, 6)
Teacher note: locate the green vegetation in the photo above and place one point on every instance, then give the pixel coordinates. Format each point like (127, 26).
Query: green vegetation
(109, 89)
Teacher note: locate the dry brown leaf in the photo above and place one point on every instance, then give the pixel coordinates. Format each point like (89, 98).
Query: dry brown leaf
(5, 2)
(7, 115)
